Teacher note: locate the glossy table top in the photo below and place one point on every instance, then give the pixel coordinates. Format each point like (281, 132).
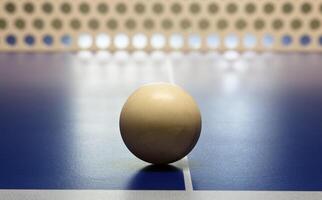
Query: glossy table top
(262, 121)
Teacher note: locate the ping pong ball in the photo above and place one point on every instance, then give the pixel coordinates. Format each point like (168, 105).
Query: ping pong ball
(160, 123)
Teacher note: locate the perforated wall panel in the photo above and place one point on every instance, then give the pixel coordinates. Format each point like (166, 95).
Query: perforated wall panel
(68, 25)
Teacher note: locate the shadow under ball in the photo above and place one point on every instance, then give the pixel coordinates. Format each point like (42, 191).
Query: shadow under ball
(160, 123)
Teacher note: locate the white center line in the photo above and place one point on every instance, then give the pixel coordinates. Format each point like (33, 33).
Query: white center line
(185, 163)
(186, 174)
(169, 68)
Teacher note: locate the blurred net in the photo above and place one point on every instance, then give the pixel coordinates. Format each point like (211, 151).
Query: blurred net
(184, 25)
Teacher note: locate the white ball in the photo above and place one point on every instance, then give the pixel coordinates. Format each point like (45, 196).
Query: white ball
(160, 123)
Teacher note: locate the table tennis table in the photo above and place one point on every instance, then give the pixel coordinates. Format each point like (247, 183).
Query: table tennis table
(261, 133)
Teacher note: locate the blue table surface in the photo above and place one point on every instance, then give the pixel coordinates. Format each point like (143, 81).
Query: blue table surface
(262, 121)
